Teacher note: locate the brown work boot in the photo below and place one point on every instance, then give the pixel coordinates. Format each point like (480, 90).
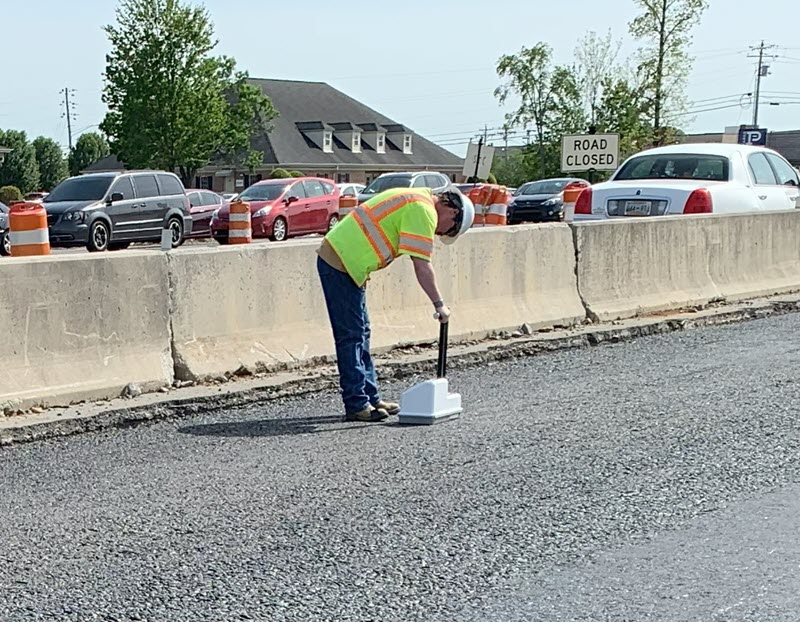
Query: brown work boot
(370, 415)
(390, 407)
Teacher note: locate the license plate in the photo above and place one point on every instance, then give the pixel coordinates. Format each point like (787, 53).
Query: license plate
(637, 208)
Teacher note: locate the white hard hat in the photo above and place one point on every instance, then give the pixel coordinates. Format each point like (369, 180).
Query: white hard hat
(467, 216)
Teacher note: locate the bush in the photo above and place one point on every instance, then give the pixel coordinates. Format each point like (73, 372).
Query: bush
(297, 174)
(280, 173)
(492, 178)
(10, 194)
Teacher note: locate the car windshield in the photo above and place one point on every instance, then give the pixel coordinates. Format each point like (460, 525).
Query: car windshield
(263, 192)
(675, 166)
(388, 182)
(80, 189)
(547, 186)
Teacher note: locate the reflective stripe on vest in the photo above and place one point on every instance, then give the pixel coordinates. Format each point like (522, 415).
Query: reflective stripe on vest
(369, 220)
(376, 238)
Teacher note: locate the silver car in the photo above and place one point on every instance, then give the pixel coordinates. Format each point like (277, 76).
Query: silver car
(422, 179)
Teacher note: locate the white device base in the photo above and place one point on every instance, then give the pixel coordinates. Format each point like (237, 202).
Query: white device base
(429, 402)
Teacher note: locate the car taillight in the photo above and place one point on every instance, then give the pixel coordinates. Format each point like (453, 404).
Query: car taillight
(699, 202)
(584, 203)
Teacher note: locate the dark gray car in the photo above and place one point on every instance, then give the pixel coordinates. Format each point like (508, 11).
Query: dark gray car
(541, 201)
(108, 211)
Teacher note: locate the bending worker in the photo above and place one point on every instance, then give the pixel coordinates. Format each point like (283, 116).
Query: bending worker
(395, 222)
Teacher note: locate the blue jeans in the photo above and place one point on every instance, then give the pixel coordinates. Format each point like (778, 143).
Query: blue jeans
(347, 310)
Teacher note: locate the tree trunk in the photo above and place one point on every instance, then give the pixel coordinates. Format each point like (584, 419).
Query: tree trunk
(658, 137)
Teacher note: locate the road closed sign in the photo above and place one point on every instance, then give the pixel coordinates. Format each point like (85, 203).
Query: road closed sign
(587, 152)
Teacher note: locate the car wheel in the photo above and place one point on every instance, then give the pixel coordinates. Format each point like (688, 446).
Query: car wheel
(221, 239)
(99, 237)
(176, 229)
(279, 230)
(5, 244)
(118, 246)
(333, 221)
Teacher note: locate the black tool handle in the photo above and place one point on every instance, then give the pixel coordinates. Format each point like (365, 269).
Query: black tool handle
(441, 365)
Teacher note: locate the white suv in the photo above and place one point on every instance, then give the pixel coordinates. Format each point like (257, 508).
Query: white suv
(423, 179)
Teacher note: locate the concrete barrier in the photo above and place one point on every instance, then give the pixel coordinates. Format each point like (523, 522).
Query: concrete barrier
(83, 327)
(654, 264)
(262, 306)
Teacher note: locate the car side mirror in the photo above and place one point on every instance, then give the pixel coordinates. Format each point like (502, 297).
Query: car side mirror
(291, 199)
(116, 196)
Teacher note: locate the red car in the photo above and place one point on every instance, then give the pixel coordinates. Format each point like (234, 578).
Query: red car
(283, 208)
(203, 205)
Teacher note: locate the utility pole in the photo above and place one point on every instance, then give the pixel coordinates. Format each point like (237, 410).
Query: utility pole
(762, 72)
(505, 140)
(481, 141)
(68, 113)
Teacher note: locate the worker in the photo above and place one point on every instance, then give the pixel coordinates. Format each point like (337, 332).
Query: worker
(395, 222)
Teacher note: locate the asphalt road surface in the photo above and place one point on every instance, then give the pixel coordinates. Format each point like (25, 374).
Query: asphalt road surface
(652, 480)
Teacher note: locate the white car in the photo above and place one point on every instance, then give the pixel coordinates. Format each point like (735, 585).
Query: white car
(694, 179)
(350, 189)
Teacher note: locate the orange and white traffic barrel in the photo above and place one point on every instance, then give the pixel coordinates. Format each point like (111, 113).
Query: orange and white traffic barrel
(497, 206)
(27, 230)
(240, 229)
(479, 195)
(347, 205)
(570, 195)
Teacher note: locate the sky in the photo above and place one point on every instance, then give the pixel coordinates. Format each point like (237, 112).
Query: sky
(429, 66)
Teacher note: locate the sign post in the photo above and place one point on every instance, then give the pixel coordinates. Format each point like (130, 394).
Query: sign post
(589, 152)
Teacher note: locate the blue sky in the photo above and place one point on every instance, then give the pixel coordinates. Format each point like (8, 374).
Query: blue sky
(427, 65)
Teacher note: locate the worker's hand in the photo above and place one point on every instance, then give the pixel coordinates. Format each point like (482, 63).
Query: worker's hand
(443, 314)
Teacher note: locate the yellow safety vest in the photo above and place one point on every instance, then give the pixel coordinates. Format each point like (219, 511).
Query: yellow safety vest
(400, 221)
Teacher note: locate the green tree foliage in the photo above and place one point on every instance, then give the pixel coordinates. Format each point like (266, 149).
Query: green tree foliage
(89, 148)
(664, 27)
(280, 173)
(10, 194)
(171, 104)
(549, 97)
(51, 162)
(19, 168)
(297, 173)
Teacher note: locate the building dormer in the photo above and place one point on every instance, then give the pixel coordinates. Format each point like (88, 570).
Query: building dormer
(319, 133)
(349, 134)
(401, 137)
(374, 135)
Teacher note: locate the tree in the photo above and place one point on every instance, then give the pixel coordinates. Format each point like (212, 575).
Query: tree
(623, 110)
(10, 194)
(296, 173)
(171, 104)
(280, 173)
(51, 162)
(19, 168)
(596, 59)
(549, 97)
(664, 27)
(89, 148)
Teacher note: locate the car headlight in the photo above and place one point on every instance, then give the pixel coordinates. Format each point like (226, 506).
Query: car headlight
(215, 214)
(75, 216)
(262, 212)
(552, 202)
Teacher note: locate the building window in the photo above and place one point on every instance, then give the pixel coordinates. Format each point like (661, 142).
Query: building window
(381, 143)
(249, 180)
(342, 178)
(356, 142)
(327, 142)
(406, 143)
(204, 182)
